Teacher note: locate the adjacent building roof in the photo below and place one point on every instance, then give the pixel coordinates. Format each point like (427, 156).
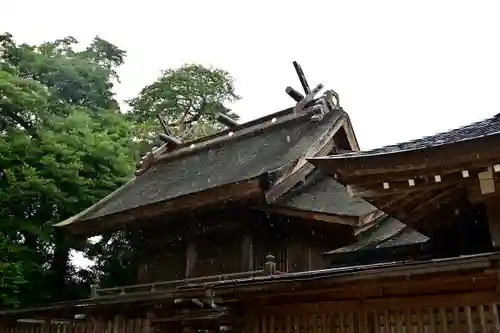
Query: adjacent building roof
(387, 232)
(322, 194)
(487, 127)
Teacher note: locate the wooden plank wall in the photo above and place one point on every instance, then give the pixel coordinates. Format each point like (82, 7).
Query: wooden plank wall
(483, 318)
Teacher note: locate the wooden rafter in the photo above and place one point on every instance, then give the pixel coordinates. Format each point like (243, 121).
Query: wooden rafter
(426, 207)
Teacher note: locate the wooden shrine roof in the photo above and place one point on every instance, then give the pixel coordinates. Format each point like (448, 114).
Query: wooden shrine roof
(487, 127)
(259, 152)
(262, 152)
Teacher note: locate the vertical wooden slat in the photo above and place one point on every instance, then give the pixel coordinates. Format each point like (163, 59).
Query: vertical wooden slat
(351, 322)
(256, 324)
(387, 323)
(482, 318)
(432, 320)
(324, 327)
(468, 316)
(271, 324)
(138, 326)
(304, 323)
(362, 320)
(456, 319)
(288, 323)
(420, 321)
(341, 322)
(444, 319)
(409, 321)
(496, 320)
(109, 326)
(69, 327)
(376, 322)
(397, 317)
(296, 320)
(332, 322)
(312, 323)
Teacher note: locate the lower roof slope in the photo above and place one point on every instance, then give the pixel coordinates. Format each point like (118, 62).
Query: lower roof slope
(387, 232)
(323, 194)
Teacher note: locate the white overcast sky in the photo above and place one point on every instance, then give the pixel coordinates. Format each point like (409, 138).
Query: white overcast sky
(403, 69)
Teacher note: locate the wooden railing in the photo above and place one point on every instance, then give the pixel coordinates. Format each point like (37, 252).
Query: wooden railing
(165, 286)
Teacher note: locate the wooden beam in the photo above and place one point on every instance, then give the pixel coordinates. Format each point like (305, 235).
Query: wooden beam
(427, 206)
(431, 181)
(309, 215)
(398, 189)
(416, 178)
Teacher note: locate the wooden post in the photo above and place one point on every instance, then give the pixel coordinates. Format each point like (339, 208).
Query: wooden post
(190, 249)
(492, 204)
(247, 253)
(190, 256)
(270, 265)
(94, 287)
(46, 325)
(149, 322)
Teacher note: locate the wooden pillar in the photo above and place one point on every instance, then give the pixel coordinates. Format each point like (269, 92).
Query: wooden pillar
(46, 325)
(247, 252)
(190, 250)
(492, 204)
(190, 257)
(294, 250)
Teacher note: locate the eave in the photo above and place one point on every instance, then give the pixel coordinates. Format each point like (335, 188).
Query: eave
(250, 189)
(342, 220)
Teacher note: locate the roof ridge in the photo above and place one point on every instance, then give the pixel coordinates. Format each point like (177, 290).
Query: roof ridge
(228, 135)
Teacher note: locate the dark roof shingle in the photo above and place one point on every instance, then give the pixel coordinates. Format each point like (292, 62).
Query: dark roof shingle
(487, 127)
(231, 161)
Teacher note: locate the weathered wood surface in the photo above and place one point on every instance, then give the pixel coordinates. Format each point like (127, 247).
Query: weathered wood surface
(468, 313)
(351, 317)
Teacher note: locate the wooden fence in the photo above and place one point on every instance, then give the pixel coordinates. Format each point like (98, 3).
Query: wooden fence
(455, 314)
(118, 325)
(482, 318)
(333, 317)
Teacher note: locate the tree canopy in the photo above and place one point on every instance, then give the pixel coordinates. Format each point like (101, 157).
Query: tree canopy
(187, 99)
(65, 143)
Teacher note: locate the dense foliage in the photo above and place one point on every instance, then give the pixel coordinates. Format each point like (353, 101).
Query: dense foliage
(65, 144)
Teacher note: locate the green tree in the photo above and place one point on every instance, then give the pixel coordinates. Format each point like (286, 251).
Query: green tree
(187, 99)
(63, 146)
